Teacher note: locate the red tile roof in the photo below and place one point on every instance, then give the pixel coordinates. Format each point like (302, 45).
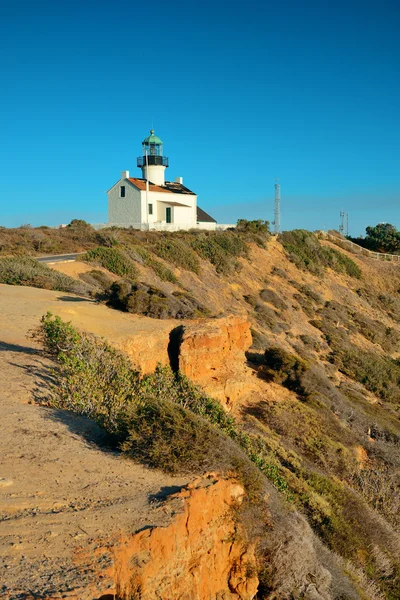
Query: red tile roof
(170, 187)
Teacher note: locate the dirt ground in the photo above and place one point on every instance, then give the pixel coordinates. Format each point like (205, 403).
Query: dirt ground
(61, 488)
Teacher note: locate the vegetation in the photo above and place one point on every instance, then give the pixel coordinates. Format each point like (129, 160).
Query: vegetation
(113, 260)
(307, 253)
(146, 300)
(221, 249)
(178, 253)
(379, 373)
(300, 445)
(384, 237)
(28, 271)
(142, 412)
(142, 255)
(284, 368)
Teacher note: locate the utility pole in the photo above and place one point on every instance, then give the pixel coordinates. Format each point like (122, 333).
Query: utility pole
(277, 210)
(344, 223)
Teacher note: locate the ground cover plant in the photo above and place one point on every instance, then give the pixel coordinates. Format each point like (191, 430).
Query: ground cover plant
(378, 372)
(307, 253)
(143, 256)
(147, 300)
(28, 271)
(112, 259)
(32, 241)
(221, 249)
(313, 438)
(177, 252)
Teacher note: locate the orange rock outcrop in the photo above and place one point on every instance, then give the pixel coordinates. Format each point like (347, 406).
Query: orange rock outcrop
(201, 555)
(212, 353)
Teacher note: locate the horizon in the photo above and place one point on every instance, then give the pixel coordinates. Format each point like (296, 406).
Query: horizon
(306, 93)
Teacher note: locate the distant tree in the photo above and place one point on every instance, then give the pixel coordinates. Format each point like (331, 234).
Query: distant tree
(384, 237)
(79, 224)
(256, 226)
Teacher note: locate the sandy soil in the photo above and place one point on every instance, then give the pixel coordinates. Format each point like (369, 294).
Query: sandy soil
(61, 488)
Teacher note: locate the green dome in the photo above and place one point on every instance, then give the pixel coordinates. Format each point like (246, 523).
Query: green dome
(152, 139)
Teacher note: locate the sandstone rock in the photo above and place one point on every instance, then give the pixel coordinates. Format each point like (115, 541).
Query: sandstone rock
(212, 353)
(201, 555)
(213, 345)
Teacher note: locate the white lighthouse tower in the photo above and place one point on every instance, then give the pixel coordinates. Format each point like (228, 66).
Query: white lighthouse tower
(153, 163)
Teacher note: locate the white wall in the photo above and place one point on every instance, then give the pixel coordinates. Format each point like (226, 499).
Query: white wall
(156, 174)
(179, 214)
(126, 210)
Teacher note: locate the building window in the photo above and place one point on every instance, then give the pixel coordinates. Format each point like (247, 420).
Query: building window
(150, 209)
(122, 191)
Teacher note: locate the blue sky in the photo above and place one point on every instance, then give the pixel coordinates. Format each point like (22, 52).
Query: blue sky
(241, 93)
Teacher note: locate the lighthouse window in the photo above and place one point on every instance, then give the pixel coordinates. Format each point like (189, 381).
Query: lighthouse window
(150, 209)
(122, 191)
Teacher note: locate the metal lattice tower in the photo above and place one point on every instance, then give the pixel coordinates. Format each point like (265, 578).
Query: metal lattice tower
(344, 223)
(277, 209)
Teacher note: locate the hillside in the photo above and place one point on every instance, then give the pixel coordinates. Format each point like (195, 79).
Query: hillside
(298, 340)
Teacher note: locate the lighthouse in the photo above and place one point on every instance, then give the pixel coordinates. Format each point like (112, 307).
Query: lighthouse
(152, 162)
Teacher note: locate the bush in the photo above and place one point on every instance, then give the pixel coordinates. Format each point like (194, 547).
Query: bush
(284, 368)
(220, 249)
(306, 251)
(379, 374)
(99, 280)
(93, 379)
(107, 238)
(178, 253)
(167, 436)
(272, 297)
(113, 260)
(165, 421)
(144, 299)
(257, 226)
(162, 271)
(29, 272)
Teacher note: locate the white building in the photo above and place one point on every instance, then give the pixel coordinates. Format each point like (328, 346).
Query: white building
(150, 202)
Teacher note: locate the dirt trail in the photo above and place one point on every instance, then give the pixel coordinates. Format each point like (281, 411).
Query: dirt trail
(61, 489)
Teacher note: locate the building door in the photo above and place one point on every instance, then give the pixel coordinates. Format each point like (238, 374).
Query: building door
(168, 214)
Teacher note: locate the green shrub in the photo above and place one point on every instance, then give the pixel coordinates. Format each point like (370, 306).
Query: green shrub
(113, 260)
(220, 248)
(178, 253)
(28, 271)
(253, 231)
(258, 226)
(107, 238)
(99, 280)
(306, 251)
(284, 368)
(161, 270)
(209, 250)
(93, 379)
(272, 297)
(147, 300)
(379, 374)
(167, 436)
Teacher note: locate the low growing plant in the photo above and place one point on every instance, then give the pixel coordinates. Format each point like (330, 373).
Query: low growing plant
(112, 259)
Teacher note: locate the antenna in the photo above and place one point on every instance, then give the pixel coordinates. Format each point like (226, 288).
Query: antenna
(277, 210)
(344, 223)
